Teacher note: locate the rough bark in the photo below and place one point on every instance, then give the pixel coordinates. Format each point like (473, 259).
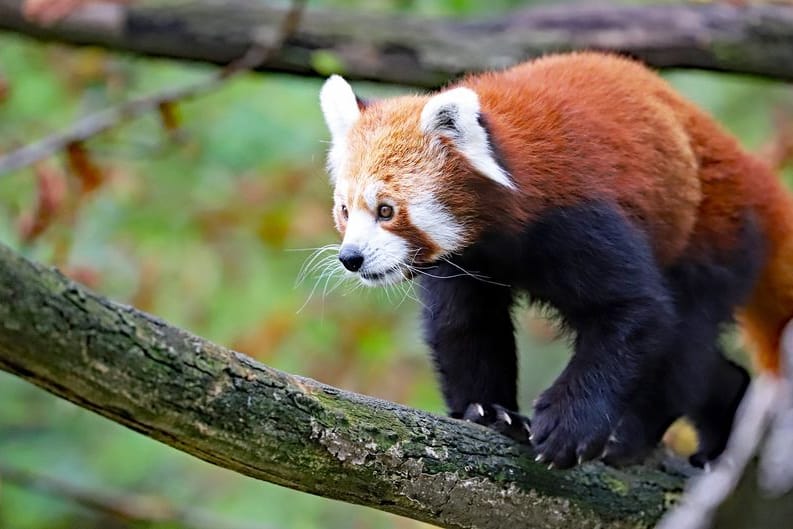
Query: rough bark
(754, 39)
(225, 408)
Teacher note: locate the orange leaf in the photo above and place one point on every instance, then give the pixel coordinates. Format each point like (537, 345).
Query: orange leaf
(84, 168)
(51, 187)
(4, 89)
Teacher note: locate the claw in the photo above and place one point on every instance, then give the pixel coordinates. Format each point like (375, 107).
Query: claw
(504, 416)
(539, 458)
(479, 409)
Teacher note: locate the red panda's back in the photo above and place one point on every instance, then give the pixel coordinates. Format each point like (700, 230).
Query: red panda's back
(585, 126)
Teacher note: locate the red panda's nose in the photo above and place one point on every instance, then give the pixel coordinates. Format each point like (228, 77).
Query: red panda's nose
(351, 257)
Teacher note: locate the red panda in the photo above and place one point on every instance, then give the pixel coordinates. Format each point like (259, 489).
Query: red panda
(584, 182)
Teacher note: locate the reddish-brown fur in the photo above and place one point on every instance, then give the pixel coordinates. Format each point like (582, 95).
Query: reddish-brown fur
(581, 126)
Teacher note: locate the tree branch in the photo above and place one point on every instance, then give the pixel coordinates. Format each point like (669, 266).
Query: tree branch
(754, 39)
(225, 408)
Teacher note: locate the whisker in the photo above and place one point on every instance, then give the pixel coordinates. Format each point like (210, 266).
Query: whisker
(402, 286)
(411, 293)
(311, 263)
(422, 272)
(478, 277)
(329, 267)
(327, 281)
(325, 247)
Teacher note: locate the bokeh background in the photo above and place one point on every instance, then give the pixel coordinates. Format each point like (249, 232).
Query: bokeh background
(208, 230)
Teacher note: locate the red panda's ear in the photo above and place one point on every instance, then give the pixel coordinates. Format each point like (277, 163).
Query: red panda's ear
(339, 105)
(454, 114)
(341, 109)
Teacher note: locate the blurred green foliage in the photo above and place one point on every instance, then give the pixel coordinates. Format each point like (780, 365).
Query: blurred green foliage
(209, 233)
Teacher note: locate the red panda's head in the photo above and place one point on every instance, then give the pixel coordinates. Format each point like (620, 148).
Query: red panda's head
(411, 178)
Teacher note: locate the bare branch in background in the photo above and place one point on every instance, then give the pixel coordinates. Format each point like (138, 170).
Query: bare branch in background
(753, 38)
(261, 51)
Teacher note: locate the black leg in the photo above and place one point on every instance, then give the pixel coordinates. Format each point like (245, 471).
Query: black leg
(713, 416)
(648, 415)
(468, 326)
(700, 379)
(575, 417)
(600, 273)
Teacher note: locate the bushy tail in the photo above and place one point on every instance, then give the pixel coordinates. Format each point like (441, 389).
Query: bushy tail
(770, 307)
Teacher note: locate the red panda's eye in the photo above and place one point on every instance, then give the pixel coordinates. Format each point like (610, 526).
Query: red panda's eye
(385, 212)
(344, 212)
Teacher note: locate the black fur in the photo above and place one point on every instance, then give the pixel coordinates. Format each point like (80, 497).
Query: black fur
(446, 120)
(645, 338)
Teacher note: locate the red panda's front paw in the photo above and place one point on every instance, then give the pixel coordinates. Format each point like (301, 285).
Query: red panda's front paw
(500, 419)
(567, 429)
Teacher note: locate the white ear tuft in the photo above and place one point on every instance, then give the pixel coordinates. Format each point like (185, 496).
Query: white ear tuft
(454, 114)
(445, 111)
(339, 105)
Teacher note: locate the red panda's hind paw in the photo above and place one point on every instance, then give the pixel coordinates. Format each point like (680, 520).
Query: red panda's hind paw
(500, 419)
(630, 443)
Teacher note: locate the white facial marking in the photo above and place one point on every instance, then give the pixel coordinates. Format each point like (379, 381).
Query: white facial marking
(342, 188)
(454, 114)
(429, 216)
(384, 254)
(360, 227)
(370, 195)
(341, 111)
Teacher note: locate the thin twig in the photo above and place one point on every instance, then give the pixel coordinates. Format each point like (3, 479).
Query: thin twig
(119, 505)
(260, 53)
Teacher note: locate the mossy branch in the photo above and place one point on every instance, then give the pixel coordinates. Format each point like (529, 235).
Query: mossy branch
(750, 38)
(225, 408)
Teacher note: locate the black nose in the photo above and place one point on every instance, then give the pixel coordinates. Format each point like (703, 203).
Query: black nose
(351, 257)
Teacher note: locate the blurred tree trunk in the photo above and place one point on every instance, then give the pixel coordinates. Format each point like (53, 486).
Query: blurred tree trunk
(755, 39)
(225, 408)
